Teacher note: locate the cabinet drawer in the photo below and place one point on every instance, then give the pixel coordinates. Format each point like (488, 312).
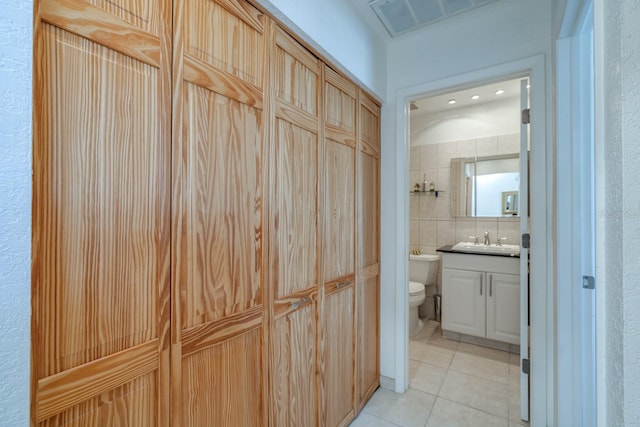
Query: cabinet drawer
(488, 263)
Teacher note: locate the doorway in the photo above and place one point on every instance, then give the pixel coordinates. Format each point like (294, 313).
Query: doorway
(465, 145)
(541, 274)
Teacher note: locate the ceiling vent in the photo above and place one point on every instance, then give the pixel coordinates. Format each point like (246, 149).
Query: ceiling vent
(401, 16)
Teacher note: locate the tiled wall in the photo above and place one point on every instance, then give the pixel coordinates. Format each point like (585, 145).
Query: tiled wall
(431, 224)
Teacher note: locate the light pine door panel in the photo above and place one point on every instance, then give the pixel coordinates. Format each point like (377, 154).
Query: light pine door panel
(293, 367)
(293, 232)
(337, 355)
(218, 371)
(101, 227)
(368, 249)
(339, 214)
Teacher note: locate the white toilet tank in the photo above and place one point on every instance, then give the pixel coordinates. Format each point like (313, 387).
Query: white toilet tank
(423, 268)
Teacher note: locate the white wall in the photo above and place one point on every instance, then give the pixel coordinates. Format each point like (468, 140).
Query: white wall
(15, 211)
(471, 122)
(495, 34)
(617, 52)
(335, 28)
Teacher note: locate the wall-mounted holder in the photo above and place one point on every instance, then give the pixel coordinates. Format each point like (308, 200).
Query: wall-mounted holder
(436, 193)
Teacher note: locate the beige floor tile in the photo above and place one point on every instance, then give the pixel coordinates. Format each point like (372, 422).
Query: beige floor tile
(446, 413)
(479, 393)
(428, 353)
(368, 420)
(518, 423)
(484, 352)
(426, 377)
(480, 366)
(410, 409)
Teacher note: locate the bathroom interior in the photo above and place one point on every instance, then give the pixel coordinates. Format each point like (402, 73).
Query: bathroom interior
(464, 233)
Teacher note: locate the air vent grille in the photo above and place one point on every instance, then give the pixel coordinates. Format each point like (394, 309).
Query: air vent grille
(401, 16)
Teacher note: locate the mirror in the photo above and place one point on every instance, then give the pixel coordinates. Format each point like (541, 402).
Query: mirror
(485, 186)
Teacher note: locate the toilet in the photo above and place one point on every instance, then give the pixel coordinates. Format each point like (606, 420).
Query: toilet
(423, 271)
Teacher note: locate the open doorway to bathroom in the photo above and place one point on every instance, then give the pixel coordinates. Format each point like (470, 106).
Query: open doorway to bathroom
(465, 180)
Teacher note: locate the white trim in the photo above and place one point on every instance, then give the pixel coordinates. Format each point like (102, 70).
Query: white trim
(575, 387)
(542, 204)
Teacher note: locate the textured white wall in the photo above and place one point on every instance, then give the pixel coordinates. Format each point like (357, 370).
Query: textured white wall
(337, 29)
(498, 33)
(617, 41)
(631, 205)
(15, 210)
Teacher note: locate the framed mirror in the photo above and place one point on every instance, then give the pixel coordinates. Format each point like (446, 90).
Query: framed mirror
(510, 202)
(485, 186)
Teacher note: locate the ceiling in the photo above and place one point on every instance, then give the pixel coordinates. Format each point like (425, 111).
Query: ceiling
(486, 94)
(402, 16)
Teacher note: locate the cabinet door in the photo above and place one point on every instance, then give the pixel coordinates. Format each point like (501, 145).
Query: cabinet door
(368, 249)
(338, 335)
(101, 213)
(463, 301)
(293, 204)
(218, 293)
(503, 307)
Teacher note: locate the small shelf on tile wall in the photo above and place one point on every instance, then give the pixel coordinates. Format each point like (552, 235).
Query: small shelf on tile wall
(436, 193)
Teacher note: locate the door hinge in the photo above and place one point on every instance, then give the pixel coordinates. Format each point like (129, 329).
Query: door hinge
(526, 366)
(526, 241)
(526, 116)
(588, 282)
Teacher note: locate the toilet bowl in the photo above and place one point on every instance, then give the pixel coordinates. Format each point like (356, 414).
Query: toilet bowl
(416, 298)
(423, 271)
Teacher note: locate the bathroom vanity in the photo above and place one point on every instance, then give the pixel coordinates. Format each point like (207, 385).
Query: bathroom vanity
(481, 293)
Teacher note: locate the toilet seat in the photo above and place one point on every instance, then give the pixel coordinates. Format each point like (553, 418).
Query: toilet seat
(416, 288)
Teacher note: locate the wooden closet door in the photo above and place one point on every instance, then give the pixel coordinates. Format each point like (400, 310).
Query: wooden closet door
(338, 317)
(368, 287)
(218, 370)
(101, 229)
(293, 232)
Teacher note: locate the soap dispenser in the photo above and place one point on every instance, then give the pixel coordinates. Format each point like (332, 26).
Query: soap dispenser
(425, 184)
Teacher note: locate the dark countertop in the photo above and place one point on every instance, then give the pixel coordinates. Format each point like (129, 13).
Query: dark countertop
(449, 249)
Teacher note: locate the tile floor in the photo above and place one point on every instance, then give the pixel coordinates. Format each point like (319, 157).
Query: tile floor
(451, 384)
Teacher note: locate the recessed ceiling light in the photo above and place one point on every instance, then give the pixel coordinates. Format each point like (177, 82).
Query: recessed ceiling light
(474, 97)
(499, 92)
(452, 101)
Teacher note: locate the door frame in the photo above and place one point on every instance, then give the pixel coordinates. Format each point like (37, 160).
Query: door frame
(541, 185)
(576, 380)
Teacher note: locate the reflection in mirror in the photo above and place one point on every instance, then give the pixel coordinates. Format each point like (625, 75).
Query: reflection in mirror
(481, 186)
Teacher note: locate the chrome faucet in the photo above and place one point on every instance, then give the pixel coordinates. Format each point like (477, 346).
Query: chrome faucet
(487, 242)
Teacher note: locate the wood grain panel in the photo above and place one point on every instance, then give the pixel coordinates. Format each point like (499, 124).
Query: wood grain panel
(206, 76)
(368, 354)
(339, 215)
(222, 385)
(339, 102)
(59, 392)
(217, 36)
(369, 123)
(144, 15)
(369, 211)
(202, 336)
(293, 368)
(338, 378)
(132, 404)
(220, 240)
(296, 75)
(99, 220)
(294, 209)
(86, 20)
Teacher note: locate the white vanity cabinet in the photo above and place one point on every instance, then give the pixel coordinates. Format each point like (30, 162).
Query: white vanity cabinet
(481, 296)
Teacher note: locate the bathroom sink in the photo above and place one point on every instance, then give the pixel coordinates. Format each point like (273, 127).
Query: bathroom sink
(487, 249)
